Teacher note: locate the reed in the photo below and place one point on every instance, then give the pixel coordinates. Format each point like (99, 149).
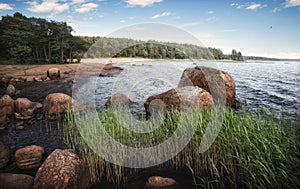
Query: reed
(253, 149)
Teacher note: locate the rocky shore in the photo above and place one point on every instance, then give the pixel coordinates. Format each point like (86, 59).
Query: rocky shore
(33, 98)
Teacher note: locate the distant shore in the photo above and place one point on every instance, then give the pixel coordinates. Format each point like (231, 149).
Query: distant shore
(66, 70)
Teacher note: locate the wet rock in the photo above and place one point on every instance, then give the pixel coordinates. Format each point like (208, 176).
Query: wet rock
(218, 83)
(179, 98)
(118, 99)
(29, 157)
(20, 127)
(57, 104)
(25, 109)
(7, 104)
(108, 70)
(6, 108)
(3, 121)
(14, 81)
(4, 155)
(37, 79)
(53, 73)
(157, 182)
(10, 90)
(62, 169)
(15, 181)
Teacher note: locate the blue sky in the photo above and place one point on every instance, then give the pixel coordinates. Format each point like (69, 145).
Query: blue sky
(255, 27)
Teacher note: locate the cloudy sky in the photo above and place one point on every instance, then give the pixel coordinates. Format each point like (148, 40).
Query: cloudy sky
(256, 27)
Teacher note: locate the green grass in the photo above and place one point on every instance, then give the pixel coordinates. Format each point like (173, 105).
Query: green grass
(252, 150)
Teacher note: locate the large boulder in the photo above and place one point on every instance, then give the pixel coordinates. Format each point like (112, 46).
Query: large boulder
(57, 104)
(118, 99)
(6, 108)
(25, 109)
(217, 82)
(4, 155)
(10, 90)
(62, 169)
(53, 73)
(179, 98)
(157, 182)
(15, 181)
(29, 157)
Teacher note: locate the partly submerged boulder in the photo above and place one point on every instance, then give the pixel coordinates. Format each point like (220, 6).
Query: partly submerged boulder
(6, 105)
(108, 70)
(179, 98)
(218, 83)
(57, 104)
(62, 169)
(118, 99)
(6, 108)
(10, 90)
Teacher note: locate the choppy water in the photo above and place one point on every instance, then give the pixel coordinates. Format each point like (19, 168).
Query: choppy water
(259, 84)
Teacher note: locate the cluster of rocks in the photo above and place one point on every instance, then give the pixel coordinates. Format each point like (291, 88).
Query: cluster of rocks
(61, 169)
(52, 74)
(199, 87)
(54, 105)
(12, 80)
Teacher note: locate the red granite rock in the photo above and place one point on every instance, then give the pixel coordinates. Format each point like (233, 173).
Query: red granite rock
(157, 182)
(180, 98)
(63, 169)
(218, 83)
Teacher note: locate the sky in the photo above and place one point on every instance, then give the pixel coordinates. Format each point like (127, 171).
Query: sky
(254, 27)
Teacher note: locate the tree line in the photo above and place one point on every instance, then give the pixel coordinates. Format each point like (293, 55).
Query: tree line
(36, 40)
(122, 47)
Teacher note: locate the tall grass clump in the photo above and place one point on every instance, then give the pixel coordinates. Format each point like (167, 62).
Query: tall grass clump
(252, 150)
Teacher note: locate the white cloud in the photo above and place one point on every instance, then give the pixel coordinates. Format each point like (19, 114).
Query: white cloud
(210, 12)
(292, 3)
(276, 10)
(122, 21)
(248, 6)
(142, 3)
(164, 14)
(4, 6)
(77, 1)
(52, 6)
(86, 7)
(254, 6)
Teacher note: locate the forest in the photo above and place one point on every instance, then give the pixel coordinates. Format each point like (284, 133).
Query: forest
(39, 41)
